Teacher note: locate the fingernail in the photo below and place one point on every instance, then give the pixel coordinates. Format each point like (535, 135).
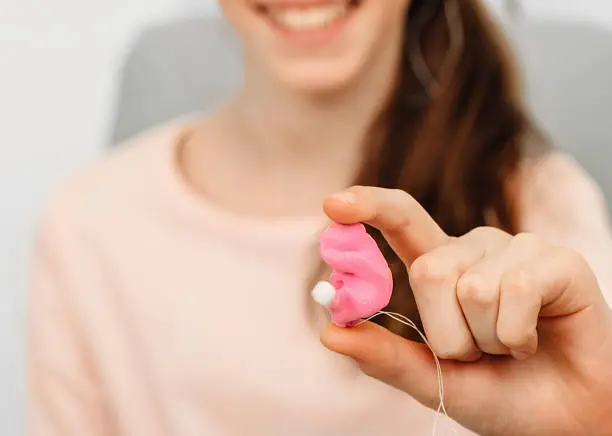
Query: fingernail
(347, 197)
(474, 357)
(528, 349)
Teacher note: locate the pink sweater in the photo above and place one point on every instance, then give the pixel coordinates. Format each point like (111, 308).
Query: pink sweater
(134, 328)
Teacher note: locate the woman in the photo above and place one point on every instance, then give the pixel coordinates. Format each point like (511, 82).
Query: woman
(170, 295)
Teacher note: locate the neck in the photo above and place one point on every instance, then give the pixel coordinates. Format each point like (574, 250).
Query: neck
(293, 148)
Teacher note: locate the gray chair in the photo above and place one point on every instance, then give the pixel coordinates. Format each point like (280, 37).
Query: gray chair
(175, 69)
(189, 66)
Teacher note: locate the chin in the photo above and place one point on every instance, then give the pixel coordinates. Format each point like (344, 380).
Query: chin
(320, 78)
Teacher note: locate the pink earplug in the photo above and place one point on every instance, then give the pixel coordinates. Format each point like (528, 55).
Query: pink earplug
(361, 282)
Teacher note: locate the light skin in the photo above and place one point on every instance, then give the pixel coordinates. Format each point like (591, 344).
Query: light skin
(296, 127)
(525, 334)
(536, 307)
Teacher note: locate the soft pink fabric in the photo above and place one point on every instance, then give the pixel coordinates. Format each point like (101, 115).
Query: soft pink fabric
(360, 273)
(135, 330)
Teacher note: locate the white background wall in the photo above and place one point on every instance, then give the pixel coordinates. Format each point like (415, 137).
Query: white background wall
(58, 69)
(59, 62)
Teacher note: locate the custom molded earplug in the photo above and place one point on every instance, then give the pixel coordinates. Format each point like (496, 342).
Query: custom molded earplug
(361, 285)
(361, 282)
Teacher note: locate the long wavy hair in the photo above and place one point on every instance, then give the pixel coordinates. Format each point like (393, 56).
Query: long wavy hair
(454, 130)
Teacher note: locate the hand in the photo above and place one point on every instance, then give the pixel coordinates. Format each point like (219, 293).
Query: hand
(522, 327)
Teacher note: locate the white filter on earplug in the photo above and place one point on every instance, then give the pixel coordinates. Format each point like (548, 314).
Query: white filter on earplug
(323, 293)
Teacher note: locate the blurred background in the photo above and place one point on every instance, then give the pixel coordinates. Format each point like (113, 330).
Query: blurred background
(77, 77)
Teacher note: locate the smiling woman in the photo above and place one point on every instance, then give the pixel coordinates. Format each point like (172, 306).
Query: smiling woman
(170, 294)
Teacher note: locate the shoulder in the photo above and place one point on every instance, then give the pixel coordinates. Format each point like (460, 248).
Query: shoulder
(555, 190)
(561, 202)
(102, 191)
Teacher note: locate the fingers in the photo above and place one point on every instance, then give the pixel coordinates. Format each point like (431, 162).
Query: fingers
(473, 293)
(433, 278)
(531, 280)
(478, 291)
(478, 296)
(387, 357)
(520, 304)
(458, 288)
(568, 283)
(559, 284)
(504, 294)
(408, 228)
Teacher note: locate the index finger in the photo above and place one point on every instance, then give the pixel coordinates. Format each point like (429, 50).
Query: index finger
(404, 223)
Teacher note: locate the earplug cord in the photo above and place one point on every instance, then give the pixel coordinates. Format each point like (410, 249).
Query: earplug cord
(441, 410)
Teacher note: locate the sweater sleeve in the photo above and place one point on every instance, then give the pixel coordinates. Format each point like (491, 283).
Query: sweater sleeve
(63, 396)
(561, 202)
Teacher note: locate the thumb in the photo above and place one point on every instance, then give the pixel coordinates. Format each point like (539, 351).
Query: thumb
(406, 365)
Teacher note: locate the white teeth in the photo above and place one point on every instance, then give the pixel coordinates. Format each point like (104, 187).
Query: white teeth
(306, 19)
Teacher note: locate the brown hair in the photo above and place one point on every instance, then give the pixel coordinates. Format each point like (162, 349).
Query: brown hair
(454, 151)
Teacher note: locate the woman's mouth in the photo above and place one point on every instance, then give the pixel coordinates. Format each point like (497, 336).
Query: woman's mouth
(315, 16)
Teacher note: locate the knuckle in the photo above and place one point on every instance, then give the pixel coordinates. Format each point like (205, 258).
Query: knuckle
(527, 242)
(358, 189)
(570, 258)
(400, 193)
(403, 198)
(399, 196)
(401, 202)
(570, 263)
(486, 232)
(517, 282)
(427, 270)
(472, 288)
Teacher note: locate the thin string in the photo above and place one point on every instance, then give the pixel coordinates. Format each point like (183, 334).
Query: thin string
(441, 410)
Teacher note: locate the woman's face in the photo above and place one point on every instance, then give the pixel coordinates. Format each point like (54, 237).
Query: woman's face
(316, 45)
